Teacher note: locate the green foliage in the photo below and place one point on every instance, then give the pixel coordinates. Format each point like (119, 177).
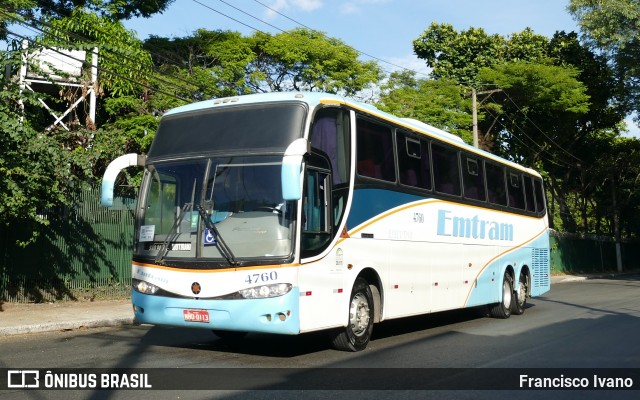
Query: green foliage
(611, 24)
(38, 171)
(458, 55)
(440, 103)
(613, 27)
(307, 60)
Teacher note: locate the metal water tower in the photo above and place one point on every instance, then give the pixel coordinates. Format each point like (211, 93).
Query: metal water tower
(48, 66)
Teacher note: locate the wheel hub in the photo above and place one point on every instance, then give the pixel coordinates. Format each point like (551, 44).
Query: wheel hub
(359, 314)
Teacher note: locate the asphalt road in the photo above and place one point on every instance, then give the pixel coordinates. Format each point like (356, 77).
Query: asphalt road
(592, 325)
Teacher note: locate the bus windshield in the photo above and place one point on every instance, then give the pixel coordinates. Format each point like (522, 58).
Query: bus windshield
(240, 196)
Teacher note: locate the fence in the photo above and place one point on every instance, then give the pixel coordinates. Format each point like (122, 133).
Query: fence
(82, 255)
(590, 254)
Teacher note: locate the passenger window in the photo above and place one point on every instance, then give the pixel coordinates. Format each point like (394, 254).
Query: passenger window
(516, 192)
(375, 151)
(473, 178)
(496, 185)
(330, 134)
(446, 174)
(413, 161)
(539, 191)
(528, 194)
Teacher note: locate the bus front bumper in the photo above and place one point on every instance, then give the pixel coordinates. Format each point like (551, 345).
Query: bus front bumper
(269, 315)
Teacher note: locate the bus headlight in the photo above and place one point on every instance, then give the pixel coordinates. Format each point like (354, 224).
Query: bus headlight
(265, 291)
(144, 287)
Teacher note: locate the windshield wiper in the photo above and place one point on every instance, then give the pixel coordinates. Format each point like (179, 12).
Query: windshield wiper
(173, 233)
(218, 241)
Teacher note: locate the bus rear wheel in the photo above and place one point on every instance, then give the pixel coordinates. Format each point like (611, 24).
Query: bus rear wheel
(520, 299)
(356, 335)
(502, 309)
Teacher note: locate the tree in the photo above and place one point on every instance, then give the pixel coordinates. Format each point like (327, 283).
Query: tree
(39, 173)
(304, 59)
(224, 63)
(613, 27)
(458, 55)
(440, 103)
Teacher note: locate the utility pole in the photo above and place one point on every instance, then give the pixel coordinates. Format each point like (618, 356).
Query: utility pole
(474, 111)
(616, 225)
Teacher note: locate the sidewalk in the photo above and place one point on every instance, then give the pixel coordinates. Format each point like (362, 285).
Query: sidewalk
(18, 318)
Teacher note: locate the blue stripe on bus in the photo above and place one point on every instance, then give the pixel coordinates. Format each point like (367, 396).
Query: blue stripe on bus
(248, 315)
(369, 203)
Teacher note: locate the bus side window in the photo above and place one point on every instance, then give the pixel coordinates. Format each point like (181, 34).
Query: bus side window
(413, 161)
(330, 134)
(528, 193)
(446, 176)
(375, 151)
(316, 219)
(516, 193)
(496, 185)
(473, 178)
(539, 192)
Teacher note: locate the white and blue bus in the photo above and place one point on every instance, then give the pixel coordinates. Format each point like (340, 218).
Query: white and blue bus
(297, 212)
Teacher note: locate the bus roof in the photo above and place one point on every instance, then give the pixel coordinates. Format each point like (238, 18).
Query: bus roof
(312, 99)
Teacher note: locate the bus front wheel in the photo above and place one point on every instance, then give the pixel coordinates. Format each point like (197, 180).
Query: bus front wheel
(502, 309)
(356, 335)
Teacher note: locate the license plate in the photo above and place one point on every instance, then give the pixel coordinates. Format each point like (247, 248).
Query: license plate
(196, 315)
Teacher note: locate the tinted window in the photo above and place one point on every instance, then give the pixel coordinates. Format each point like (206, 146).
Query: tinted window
(516, 190)
(528, 193)
(229, 129)
(413, 161)
(330, 135)
(375, 151)
(473, 178)
(446, 176)
(496, 185)
(540, 201)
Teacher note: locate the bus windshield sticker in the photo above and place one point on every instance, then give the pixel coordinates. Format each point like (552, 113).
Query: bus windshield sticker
(147, 232)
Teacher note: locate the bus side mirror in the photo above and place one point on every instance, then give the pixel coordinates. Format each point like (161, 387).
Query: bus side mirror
(291, 173)
(111, 173)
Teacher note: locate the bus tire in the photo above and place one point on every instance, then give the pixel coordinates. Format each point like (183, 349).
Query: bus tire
(356, 335)
(502, 309)
(520, 295)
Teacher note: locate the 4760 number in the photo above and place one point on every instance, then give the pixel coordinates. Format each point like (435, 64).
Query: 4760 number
(261, 277)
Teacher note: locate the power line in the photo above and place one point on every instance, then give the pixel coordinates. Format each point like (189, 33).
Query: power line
(85, 40)
(351, 47)
(540, 130)
(16, 35)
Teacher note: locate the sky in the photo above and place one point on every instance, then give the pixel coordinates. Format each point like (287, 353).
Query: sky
(383, 30)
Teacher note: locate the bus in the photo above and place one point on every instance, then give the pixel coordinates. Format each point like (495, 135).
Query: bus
(289, 213)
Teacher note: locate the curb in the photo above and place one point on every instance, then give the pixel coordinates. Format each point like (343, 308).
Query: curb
(66, 326)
